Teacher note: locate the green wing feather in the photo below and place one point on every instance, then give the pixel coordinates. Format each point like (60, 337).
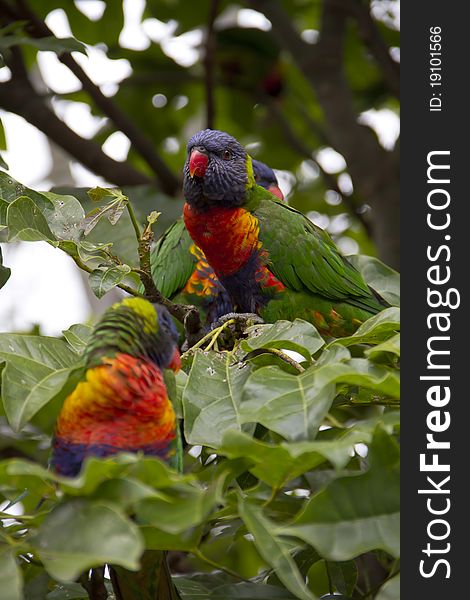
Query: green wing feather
(171, 261)
(304, 257)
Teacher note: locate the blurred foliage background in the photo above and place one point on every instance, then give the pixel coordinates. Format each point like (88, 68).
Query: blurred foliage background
(311, 87)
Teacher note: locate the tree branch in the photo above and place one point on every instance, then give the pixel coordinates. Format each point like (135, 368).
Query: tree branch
(185, 313)
(275, 352)
(209, 65)
(370, 34)
(351, 202)
(18, 96)
(373, 170)
(168, 181)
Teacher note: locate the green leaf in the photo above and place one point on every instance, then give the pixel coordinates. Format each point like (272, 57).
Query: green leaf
(36, 582)
(145, 198)
(277, 464)
(3, 139)
(5, 272)
(211, 397)
(153, 217)
(194, 589)
(274, 551)
(26, 222)
(376, 329)
(157, 539)
(392, 346)
(11, 584)
(299, 336)
(179, 509)
(124, 492)
(3, 164)
(198, 587)
(382, 278)
(87, 252)
(37, 369)
(318, 580)
(104, 279)
(97, 194)
(77, 336)
(112, 210)
(343, 576)
(292, 405)
(360, 372)
(181, 380)
(23, 397)
(79, 535)
(68, 591)
(17, 475)
(390, 590)
(11, 190)
(65, 219)
(57, 45)
(148, 471)
(271, 463)
(356, 513)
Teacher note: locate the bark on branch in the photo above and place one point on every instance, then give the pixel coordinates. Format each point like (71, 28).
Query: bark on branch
(37, 28)
(209, 65)
(18, 96)
(370, 34)
(374, 171)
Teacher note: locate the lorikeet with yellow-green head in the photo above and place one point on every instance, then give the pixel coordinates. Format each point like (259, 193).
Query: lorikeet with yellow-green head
(271, 259)
(121, 405)
(180, 269)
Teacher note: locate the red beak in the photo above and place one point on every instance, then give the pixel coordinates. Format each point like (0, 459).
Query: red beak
(274, 189)
(198, 163)
(175, 363)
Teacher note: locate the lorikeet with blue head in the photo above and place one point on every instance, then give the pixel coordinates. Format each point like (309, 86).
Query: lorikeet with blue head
(180, 270)
(121, 405)
(270, 258)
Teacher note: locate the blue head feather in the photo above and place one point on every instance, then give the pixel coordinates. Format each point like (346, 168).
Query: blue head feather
(264, 175)
(167, 334)
(225, 180)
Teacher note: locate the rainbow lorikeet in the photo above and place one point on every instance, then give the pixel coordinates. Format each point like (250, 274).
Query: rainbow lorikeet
(271, 259)
(180, 270)
(121, 405)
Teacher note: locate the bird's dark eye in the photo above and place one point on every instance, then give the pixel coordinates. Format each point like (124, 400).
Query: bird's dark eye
(227, 155)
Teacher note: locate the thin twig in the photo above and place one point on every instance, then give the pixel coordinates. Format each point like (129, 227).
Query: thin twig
(135, 223)
(37, 28)
(373, 169)
(392, 402)
(273, 495)
(334, 421)
(213, 333)
(371, 36)
(274, 351)
(18, 96)
(186, 314)
(351, 202)
(219, 331)
(81, 265)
